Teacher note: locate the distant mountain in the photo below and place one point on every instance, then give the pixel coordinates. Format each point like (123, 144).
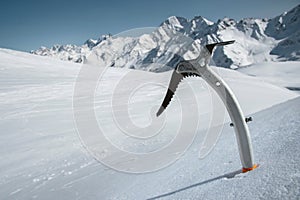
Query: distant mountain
(257, 40)
(70, 52)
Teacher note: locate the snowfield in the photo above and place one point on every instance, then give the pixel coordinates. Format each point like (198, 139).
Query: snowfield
(284, 74)
(42, 156)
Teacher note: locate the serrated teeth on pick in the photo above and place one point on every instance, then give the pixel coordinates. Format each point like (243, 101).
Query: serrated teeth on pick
(176, 79)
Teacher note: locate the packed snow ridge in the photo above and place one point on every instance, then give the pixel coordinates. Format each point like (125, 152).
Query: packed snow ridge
(257, 41)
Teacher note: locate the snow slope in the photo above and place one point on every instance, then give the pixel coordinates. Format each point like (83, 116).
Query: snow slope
(275, 135)
(42, 156)
(284, 74)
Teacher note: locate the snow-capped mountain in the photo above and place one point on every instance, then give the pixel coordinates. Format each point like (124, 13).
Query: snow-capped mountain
(70, 52)
(257, 40)
(64, 52)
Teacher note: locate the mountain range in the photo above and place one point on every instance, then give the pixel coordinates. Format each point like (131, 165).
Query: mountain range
(257, 41)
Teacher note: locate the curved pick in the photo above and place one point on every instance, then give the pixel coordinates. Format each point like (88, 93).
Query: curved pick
(174, 82)
(178, 76)
(210, 47)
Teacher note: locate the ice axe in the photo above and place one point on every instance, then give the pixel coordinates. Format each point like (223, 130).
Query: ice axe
(199, 67)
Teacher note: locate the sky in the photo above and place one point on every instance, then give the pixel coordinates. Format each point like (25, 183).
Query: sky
(28, 24)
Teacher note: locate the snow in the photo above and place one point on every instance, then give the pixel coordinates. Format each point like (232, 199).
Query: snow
(275, 139)
(284, 74)
(69, 52)
(257, 40)
(42, 156)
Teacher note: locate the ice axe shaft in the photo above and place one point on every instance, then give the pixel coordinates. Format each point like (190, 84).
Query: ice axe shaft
(191, 67)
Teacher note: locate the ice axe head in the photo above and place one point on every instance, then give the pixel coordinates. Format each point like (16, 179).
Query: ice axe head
(210, 47)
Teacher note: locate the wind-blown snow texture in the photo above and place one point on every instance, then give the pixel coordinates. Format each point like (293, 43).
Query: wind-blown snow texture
(257, 40)
(42, 156)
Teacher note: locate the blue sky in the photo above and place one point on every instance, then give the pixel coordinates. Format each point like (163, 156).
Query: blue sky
(29, 24)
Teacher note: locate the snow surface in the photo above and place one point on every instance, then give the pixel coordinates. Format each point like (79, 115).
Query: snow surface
(284, 74)
(42, 156)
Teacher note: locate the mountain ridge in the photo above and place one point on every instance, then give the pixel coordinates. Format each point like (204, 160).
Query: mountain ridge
(257, 40)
